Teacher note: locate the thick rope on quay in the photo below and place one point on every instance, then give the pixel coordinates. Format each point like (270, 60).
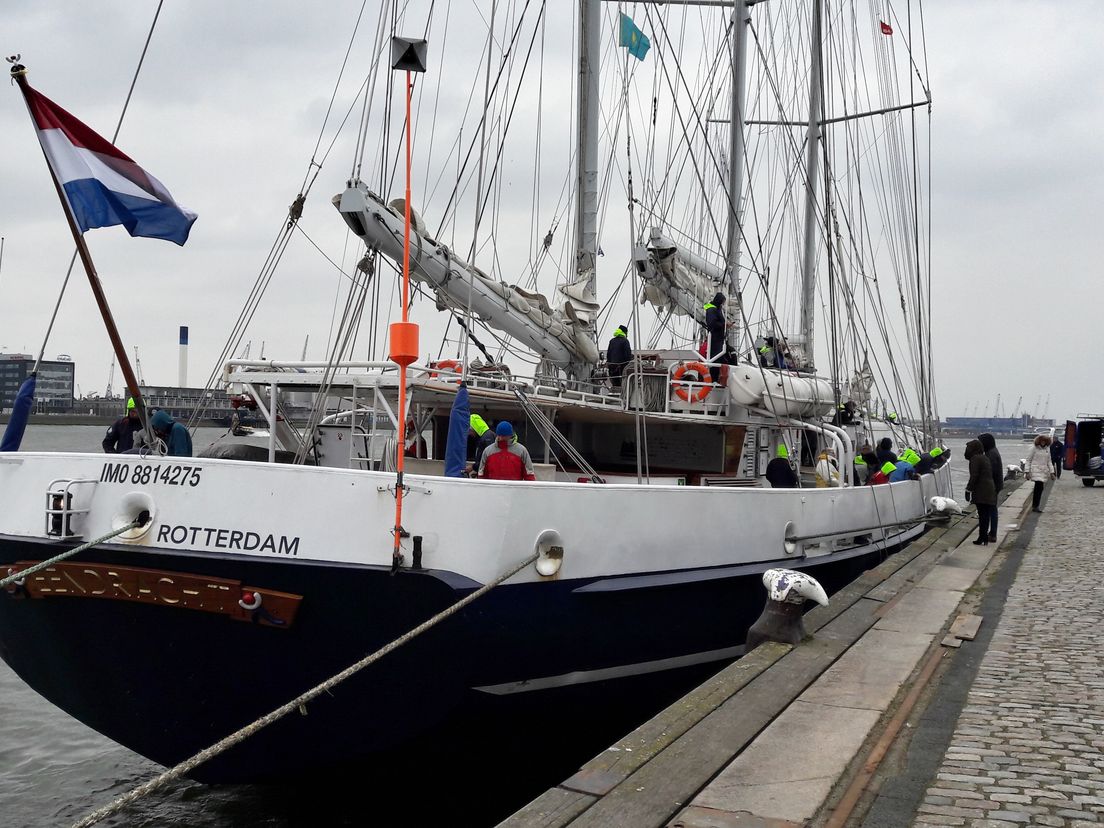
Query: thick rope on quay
(235, 738)
(18, 577)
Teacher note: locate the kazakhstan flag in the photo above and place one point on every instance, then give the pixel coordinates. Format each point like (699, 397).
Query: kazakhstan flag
(632, 38)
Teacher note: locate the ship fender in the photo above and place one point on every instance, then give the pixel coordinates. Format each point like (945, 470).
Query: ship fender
(781, 620)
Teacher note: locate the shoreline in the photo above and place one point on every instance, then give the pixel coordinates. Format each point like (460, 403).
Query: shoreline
(64, 419)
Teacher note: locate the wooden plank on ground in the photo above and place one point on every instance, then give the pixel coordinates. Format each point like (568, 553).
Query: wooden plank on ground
(966, 627)
(951, 641)
(552, 808)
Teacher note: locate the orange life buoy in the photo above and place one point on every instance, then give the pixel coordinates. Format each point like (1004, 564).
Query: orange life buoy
(682, 388)
(445, 365)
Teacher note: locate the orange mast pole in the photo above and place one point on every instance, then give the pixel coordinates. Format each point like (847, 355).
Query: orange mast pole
(404, 349)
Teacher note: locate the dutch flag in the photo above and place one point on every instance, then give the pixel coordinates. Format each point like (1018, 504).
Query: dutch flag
(102, 184)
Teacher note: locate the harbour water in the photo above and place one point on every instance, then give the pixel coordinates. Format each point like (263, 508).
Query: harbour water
(54, 770)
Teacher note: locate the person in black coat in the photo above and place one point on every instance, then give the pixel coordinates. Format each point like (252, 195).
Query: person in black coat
(989, 443)
(618, 354)
(780, 474)
(120, 436)
(885, 452)
(1057, 452)
(717, 327)
(980, 489)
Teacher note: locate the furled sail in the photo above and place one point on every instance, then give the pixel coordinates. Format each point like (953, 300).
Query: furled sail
(561, 335)
(675, 278)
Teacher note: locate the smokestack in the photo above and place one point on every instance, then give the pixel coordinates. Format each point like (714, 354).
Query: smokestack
(183, 377)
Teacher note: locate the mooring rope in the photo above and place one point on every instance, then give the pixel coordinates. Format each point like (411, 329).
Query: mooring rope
(244, 733)
(38, 567)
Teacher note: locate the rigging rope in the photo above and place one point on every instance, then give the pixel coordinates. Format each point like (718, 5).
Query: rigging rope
(17, 577)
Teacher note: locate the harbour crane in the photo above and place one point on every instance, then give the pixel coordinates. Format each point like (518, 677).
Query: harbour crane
(138, 366)
(110, 379)
(1016, 411)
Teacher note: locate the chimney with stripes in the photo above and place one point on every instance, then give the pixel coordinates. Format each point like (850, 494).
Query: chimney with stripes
(182, 380)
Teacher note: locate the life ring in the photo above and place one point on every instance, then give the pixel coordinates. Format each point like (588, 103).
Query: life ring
(445, 365)
(682, 388)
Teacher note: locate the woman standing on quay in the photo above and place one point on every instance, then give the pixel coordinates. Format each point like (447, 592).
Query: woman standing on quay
(980, 490)
(1039, 469)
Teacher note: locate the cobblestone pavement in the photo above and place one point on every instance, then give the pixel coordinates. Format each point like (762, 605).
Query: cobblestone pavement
(1028, 748)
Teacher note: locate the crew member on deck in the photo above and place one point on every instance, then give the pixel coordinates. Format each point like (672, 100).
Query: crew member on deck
(507, 459)
(618, 354)
(120, 437)
(882, 474)
(827, 471)
(905, 468)
(885, 451)
(480, 435)
(780, 473)
(175, 435)
(930, 461)
(847, 413)
(416, 445)
(867, 461)
(717, 328)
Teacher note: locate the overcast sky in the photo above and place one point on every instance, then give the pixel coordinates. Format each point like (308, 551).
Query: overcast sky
(228, 108)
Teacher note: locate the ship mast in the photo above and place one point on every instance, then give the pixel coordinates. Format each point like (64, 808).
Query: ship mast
(812, 157)
(741, 19)
(588, 118)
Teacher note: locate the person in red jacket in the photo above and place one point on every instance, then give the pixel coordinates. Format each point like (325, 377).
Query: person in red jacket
(506, 459)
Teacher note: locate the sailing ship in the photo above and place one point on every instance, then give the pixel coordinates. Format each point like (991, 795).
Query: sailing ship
(253, 580)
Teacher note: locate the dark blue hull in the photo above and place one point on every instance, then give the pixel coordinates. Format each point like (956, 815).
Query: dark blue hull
(574, 663)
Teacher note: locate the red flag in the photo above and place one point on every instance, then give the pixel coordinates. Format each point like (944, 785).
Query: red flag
(886, 28)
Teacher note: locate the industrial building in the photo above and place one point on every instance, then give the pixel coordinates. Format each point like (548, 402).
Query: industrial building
(54, 389)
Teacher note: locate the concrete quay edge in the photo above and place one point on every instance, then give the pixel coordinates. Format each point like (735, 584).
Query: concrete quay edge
(722, 755)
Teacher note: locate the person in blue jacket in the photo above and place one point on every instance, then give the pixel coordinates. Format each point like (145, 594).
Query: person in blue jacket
(175, 435)
(905, 468)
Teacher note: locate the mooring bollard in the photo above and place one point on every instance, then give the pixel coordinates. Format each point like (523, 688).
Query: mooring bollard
(787, 592)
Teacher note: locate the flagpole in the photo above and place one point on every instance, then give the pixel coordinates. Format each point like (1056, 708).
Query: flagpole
(19, 73)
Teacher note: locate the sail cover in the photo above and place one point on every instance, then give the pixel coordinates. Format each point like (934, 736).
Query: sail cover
(456, 446)
(676, 279)
(562, 335)
(21, 410)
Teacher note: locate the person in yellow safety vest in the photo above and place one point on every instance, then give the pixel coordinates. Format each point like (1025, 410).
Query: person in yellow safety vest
(929, 461)
(910, 456)
(882, 474)
(480, 435)
(717, 328)
(618, 354)
(120, 437)
(769, 353)
(827, 471)
(780, 474)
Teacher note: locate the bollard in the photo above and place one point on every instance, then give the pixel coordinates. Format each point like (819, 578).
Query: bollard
(787, 592)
